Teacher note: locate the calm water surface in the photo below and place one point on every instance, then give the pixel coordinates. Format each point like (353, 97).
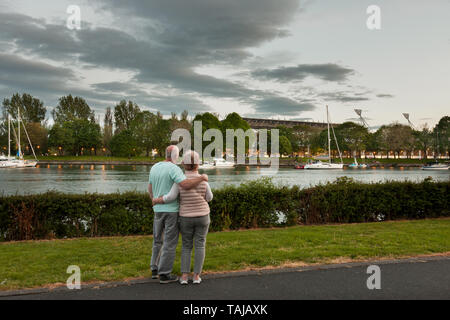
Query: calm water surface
(113, 178)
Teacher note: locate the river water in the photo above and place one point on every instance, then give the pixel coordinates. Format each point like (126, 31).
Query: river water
(113, 178)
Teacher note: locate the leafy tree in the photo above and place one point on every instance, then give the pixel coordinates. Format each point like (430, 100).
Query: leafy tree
(182, 123)
(75, 136)
(442, 133)
(395, 137)
(72, 108)
(39, 137)
(108, 128)
(161, 134)
(285, 146)
(352, 137)
(31, 109)
(424, 140)
(305, 137)
(123, 144)
(124, 114)
(234, 121)
(144, 130)
(209, 121)
(61, 138)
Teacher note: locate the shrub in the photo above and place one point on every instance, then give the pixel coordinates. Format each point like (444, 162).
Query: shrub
(253, 204)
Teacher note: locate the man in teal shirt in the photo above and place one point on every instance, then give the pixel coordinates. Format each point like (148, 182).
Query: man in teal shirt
(162, 176)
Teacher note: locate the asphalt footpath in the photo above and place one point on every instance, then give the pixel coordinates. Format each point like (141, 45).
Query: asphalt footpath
(415, 278)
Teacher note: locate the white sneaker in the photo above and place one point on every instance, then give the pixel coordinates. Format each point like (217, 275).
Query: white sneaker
(183, 282)
(197, 281)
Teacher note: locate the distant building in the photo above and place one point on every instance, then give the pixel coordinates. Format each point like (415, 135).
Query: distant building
(272, 123)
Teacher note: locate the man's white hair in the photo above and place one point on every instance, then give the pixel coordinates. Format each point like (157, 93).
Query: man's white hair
(191, 157)
(172, 153)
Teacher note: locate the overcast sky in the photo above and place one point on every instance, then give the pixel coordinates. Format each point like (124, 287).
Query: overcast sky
(281, 59)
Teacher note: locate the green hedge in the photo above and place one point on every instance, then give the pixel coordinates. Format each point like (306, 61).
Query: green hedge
(257, 203)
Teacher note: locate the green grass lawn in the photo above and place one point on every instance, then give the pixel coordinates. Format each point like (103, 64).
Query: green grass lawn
(38, 263)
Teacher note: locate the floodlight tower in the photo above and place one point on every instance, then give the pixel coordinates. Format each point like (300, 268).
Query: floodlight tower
(363, 121)
(406, 115)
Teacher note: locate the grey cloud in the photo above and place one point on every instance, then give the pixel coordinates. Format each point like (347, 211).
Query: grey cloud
(282, 106)
(328, 72)
(343, 97)
(180, 35)
(384, 95)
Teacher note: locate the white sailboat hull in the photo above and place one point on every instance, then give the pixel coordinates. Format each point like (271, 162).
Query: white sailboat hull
(324, 166)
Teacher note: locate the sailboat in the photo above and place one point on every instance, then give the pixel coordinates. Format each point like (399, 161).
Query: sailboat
(18, 162)
(319, 165)
(7, 162)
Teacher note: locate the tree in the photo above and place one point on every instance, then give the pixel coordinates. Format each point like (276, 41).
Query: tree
(72, 108)
(108, 128)
(395, 137)
(75, 136)
(285, 146)
(304, 137)
(31, 109)
(209, 121)
(442, 133)
(352, 137)
(38, 136)
(123, 144)
(424, 140)
(124, 114)
(182, 123)
(144, 130)
(161, 134)
(61, 138)
(289, 134)
(235, 122)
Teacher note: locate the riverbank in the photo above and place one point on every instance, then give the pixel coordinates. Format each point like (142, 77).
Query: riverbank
(29, 264)
(283, 163)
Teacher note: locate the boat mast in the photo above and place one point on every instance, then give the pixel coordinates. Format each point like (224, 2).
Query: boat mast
(18, 128)
(329, 139)
(9, 136)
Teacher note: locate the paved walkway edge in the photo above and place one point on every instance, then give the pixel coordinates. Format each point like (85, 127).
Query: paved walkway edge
(233, 274)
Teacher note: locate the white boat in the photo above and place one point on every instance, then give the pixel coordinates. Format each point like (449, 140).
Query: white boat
(222, 163)
(12, 162)
(319, 165)
(5, 162)
(206, 165)
(436, 166)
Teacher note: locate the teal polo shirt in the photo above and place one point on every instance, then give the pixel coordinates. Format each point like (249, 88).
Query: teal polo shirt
(162, 176)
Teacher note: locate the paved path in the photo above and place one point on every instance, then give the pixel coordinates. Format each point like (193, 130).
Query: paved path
(419, 278)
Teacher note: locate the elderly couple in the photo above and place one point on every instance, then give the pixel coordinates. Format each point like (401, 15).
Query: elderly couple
(180, 203)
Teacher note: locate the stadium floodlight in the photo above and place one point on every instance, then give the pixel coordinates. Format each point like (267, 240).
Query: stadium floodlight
(406, 115)
(363, 121)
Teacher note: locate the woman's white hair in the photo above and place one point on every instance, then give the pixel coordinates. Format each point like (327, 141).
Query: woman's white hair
(191, 157)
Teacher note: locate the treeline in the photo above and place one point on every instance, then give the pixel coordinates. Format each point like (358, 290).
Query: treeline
(391, 140)
(252, 204)
(129, 131)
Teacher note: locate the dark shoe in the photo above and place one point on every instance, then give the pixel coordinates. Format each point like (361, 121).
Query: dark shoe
(154, 274)
(167, 278)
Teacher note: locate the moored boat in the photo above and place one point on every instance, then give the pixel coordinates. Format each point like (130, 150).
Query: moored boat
(436, 166)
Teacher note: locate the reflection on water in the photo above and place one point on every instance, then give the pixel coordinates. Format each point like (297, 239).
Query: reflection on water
(113, 178)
